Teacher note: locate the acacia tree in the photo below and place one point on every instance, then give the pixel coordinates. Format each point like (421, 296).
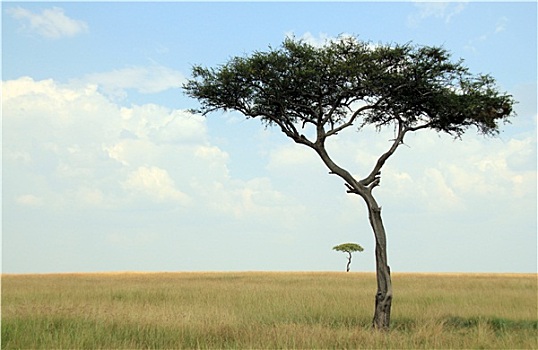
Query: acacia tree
(348, 248)
(312, 93)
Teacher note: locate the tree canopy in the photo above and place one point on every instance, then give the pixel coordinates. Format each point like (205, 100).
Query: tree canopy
(349, 82)
(348, 248)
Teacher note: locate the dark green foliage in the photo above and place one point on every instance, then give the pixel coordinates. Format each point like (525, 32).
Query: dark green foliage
(350, 82)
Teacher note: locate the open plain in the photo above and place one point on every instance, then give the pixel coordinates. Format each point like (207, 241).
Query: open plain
(314, 310)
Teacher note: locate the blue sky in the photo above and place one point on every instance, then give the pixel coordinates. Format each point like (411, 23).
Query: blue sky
(104, 170)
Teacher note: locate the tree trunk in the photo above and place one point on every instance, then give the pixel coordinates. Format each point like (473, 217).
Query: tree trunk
(348, 262)
(383, 298)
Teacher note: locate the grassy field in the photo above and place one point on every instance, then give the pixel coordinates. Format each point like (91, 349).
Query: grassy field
(266, 310)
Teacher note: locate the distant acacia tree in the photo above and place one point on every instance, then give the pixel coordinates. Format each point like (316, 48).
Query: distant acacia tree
(312, 93)
(348, 248)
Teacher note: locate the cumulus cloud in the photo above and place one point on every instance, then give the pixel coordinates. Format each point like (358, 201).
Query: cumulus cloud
(70, 145)
(173, 126)
(50, 23)
(73, 139)
(155, 183)
(458, 176)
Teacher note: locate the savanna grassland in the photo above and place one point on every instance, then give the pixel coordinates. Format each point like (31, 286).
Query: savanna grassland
(266, 310)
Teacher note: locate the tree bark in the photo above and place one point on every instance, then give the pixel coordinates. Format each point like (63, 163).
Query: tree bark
(383, 297)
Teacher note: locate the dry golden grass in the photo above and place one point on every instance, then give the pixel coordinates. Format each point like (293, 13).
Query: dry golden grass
(266, 310)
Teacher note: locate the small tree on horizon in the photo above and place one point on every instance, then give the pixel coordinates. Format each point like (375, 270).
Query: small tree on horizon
(348, 248)
(314, 93)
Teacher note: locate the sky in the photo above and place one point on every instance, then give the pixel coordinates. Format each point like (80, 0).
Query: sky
(104, 169)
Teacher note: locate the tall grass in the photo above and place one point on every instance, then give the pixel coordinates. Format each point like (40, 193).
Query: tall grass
(265, 310)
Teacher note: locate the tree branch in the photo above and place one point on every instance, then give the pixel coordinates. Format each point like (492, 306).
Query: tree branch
(373, 179)
(350, 122)
(355, 115)
(291, 131)
(418, 127)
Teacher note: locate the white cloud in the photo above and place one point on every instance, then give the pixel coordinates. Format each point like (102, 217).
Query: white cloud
(457, 175)
(73, 147)
(50, 23)
(155, 183)
(440, 10)
(47, 88)
(145, 80)
(70, 139)
(505, 169)
(214, 158)
(161, 125)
